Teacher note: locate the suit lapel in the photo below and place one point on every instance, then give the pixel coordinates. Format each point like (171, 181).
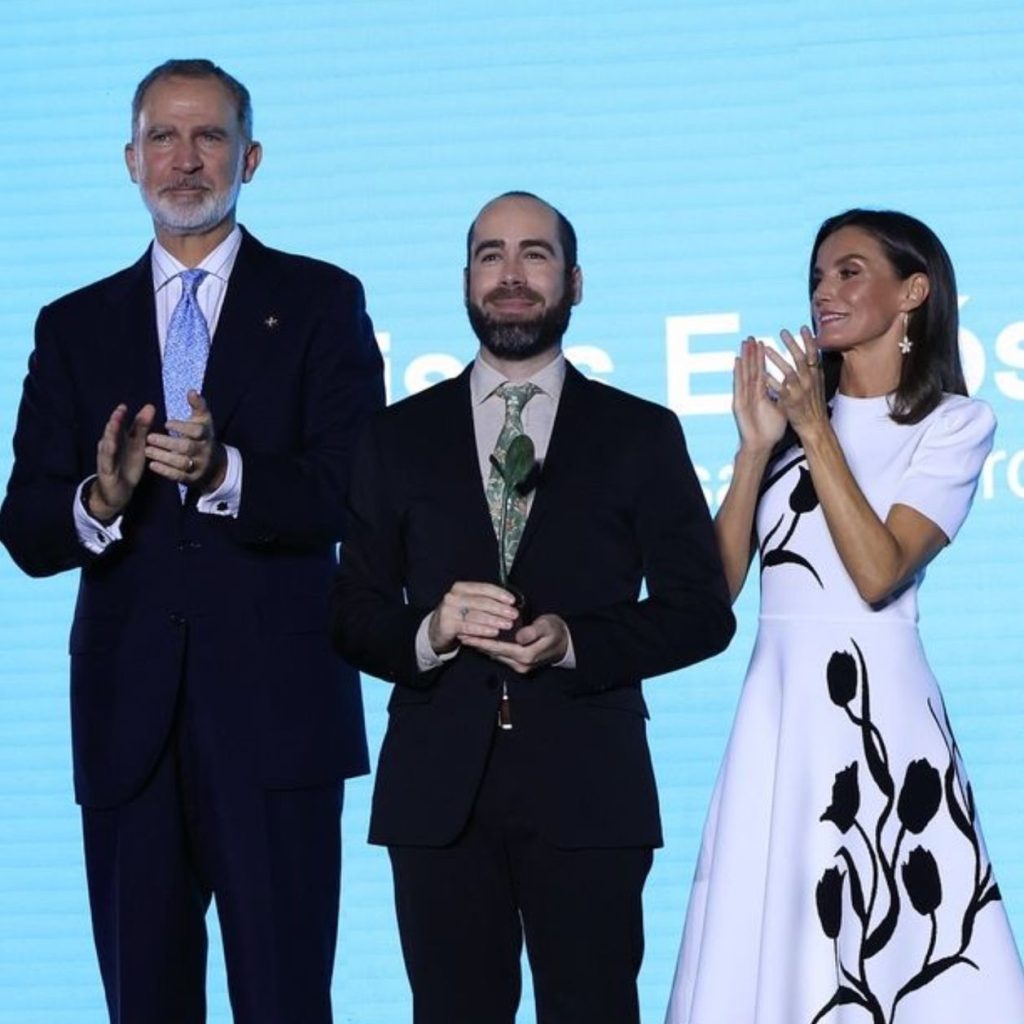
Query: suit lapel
(126, 351)
(459, 469)
(130, 352)
(252, 321)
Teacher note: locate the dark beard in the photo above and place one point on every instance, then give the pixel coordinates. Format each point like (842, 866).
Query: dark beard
(517, 340)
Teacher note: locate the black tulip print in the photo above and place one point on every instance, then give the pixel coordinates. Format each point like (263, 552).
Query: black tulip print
(922, 882)
(829, 897)
(842, 812)
(802, 499)
(891, 879)
(842, 678)
(920, 796)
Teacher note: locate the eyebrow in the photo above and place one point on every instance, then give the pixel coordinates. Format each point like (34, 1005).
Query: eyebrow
(537, 243)
(526, 243)
(212, 129)
(843, 259)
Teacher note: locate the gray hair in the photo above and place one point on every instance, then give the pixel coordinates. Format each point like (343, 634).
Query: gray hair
(196, 68)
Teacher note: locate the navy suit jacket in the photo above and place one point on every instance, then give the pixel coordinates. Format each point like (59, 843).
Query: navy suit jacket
(617, 505)
(236, 607)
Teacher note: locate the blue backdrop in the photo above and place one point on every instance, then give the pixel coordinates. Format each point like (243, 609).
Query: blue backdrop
(696, 145)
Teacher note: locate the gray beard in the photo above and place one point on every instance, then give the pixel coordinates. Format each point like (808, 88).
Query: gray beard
(195, 219)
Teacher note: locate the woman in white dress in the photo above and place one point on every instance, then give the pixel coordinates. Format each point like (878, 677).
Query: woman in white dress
(842, 877)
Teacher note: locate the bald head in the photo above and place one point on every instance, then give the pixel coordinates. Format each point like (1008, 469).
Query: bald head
(520, 285)
(565, 232)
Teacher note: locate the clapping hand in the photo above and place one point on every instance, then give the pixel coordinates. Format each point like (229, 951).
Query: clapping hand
(801, 392)
(189, 453)
(120, 462)
(760, 420)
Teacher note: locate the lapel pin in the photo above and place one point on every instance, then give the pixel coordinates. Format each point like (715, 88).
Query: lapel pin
(271, 322)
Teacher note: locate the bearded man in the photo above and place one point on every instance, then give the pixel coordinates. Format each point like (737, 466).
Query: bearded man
(514, 789)
(184, 439)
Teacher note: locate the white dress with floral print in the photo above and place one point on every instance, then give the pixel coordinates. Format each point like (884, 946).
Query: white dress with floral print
(842, 877)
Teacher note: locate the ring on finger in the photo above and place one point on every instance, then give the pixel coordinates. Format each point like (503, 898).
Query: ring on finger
(812, 363)
(463, 612)
(191, 465)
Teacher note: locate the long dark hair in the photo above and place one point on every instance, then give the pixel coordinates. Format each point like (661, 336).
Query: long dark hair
(932, 366)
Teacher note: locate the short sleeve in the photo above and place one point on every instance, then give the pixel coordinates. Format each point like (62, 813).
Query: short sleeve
(943, 473)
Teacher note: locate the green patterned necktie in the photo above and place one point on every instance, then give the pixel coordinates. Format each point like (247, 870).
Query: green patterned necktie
(515, 397)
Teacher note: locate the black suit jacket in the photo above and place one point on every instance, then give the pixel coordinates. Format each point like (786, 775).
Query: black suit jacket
(235, 606)
(617, 505)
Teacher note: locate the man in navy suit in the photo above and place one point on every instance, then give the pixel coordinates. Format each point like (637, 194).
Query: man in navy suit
(514, 788)
(212, 724)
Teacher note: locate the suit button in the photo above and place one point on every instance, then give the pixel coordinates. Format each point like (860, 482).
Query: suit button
(176, 619)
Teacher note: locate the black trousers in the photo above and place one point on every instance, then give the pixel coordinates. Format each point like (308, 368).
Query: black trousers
(464, 910)
(203, 826)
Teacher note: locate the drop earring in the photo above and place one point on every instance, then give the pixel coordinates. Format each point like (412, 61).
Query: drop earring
(905, 343)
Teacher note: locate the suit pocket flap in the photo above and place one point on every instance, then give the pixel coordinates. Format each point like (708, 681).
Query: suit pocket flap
(625, 698)
(93, 633)
(401, 696)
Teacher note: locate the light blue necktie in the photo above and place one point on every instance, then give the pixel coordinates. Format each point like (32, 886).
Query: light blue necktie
(185, 351)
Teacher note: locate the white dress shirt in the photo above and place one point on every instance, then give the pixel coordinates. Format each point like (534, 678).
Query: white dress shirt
(538, 417)
(167, 287)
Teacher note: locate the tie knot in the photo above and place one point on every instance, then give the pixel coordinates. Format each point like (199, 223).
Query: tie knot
(516, 395)
(192, 279)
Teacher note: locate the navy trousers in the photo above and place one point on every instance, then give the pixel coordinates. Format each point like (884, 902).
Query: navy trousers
(203, 826)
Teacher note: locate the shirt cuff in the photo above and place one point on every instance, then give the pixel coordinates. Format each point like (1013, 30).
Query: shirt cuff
(93, 535)
(569, 658)
(426, 657)
(226, 499)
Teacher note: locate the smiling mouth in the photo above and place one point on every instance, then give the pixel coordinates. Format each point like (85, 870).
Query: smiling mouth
(826, 319)
(515, 303)
(514, 311)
